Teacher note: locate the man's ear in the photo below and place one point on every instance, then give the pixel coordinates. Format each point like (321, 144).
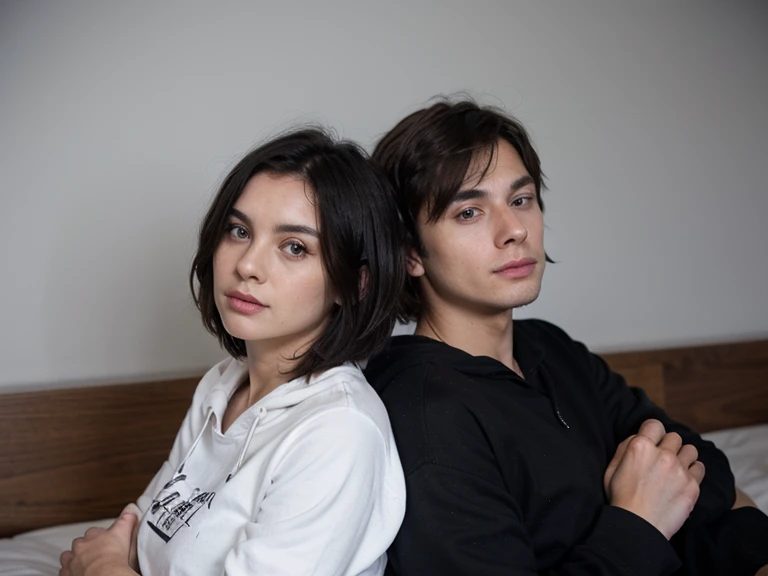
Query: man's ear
(413, 263)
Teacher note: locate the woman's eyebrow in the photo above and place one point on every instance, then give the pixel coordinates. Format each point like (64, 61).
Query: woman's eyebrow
(296, 229)
(241, 216)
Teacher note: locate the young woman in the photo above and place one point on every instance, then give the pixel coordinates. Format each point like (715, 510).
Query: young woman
(285, 462)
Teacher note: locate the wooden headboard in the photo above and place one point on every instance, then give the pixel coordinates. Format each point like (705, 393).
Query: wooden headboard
(81, 454)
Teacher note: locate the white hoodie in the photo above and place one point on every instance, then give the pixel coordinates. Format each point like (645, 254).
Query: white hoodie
(306, 481)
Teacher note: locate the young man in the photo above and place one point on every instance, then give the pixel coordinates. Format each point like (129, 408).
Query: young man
(523, 452)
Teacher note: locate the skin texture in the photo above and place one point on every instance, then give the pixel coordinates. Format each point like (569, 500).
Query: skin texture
(468, 301)
(656, 477)
(102, 551)
(282, 268)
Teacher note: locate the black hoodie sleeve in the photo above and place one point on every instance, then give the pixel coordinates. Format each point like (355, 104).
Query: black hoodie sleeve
(629, 407)
(714, 539)
(458, 523)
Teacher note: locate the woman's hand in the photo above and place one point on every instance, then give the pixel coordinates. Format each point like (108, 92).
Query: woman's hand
(102, 552)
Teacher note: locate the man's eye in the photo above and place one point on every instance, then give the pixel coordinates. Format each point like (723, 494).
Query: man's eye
(521, 200)
(467, 214)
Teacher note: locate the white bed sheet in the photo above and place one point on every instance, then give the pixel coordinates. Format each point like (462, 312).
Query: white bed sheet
(37, 553)
(747, 452)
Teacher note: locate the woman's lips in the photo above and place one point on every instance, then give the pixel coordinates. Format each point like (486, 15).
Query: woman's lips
(244, 303)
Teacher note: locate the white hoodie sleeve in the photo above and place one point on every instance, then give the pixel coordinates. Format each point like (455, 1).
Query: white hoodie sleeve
(334, 505)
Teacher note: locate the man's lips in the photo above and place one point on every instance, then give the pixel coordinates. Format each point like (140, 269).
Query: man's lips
(517, 268)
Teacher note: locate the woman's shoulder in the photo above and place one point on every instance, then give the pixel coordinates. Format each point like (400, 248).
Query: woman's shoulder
(344, 389)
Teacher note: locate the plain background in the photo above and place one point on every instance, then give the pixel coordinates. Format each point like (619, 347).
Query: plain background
(118, 120)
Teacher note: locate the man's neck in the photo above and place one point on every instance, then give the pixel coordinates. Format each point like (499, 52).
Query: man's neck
(477, 334)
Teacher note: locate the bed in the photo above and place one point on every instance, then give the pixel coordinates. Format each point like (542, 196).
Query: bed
(72, 458)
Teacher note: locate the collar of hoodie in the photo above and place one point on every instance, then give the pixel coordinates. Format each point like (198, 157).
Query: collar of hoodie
(283, 397)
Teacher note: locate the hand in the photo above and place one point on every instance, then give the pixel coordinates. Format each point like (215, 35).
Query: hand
(133, 556)
(656, 477)
(101, 551)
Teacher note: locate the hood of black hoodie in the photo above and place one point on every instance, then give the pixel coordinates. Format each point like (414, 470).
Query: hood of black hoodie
(404, 352)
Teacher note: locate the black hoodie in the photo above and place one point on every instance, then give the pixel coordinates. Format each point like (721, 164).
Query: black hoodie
(505, 475)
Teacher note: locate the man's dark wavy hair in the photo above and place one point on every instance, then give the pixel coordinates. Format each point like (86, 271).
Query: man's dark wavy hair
(427, 156)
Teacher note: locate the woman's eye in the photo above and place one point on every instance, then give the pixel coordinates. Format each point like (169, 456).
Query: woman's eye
(238, 232)
(295, 249)
(467, 214)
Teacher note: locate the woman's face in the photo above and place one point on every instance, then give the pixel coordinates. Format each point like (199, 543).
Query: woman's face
(269, 281)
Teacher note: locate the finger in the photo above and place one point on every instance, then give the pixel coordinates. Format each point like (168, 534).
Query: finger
(123, 526)
(131, 509)
(672, 442)
(77, 544)
(615, 461)
(92, 532)
(65, 558)
(688, 455)
(697, 471)
(653, 430)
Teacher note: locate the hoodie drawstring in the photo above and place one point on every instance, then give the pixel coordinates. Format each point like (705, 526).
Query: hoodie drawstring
(552, 396)
(259, 415)
(196, 442)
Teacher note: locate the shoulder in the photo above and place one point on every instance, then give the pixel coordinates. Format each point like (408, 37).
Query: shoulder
(344, 404)
(434, 413)
(559, 348)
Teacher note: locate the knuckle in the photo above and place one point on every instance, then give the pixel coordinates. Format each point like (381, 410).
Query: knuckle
(640, 444)
(666, 459)
(77, 545)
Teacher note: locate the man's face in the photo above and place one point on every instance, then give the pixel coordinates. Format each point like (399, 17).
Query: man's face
(485, 254)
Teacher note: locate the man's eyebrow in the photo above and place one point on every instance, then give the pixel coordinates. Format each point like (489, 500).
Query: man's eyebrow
(471, 194)
(520, 182)
(474, 194)
(296, 229)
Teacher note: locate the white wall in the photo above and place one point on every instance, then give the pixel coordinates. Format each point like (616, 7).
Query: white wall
(117, 120)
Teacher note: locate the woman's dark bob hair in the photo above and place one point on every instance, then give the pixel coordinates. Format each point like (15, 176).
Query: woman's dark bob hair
(427, 157)
(359, 235)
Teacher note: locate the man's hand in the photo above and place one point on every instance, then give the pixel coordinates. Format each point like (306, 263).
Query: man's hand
(656, 477)
(100, 551)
